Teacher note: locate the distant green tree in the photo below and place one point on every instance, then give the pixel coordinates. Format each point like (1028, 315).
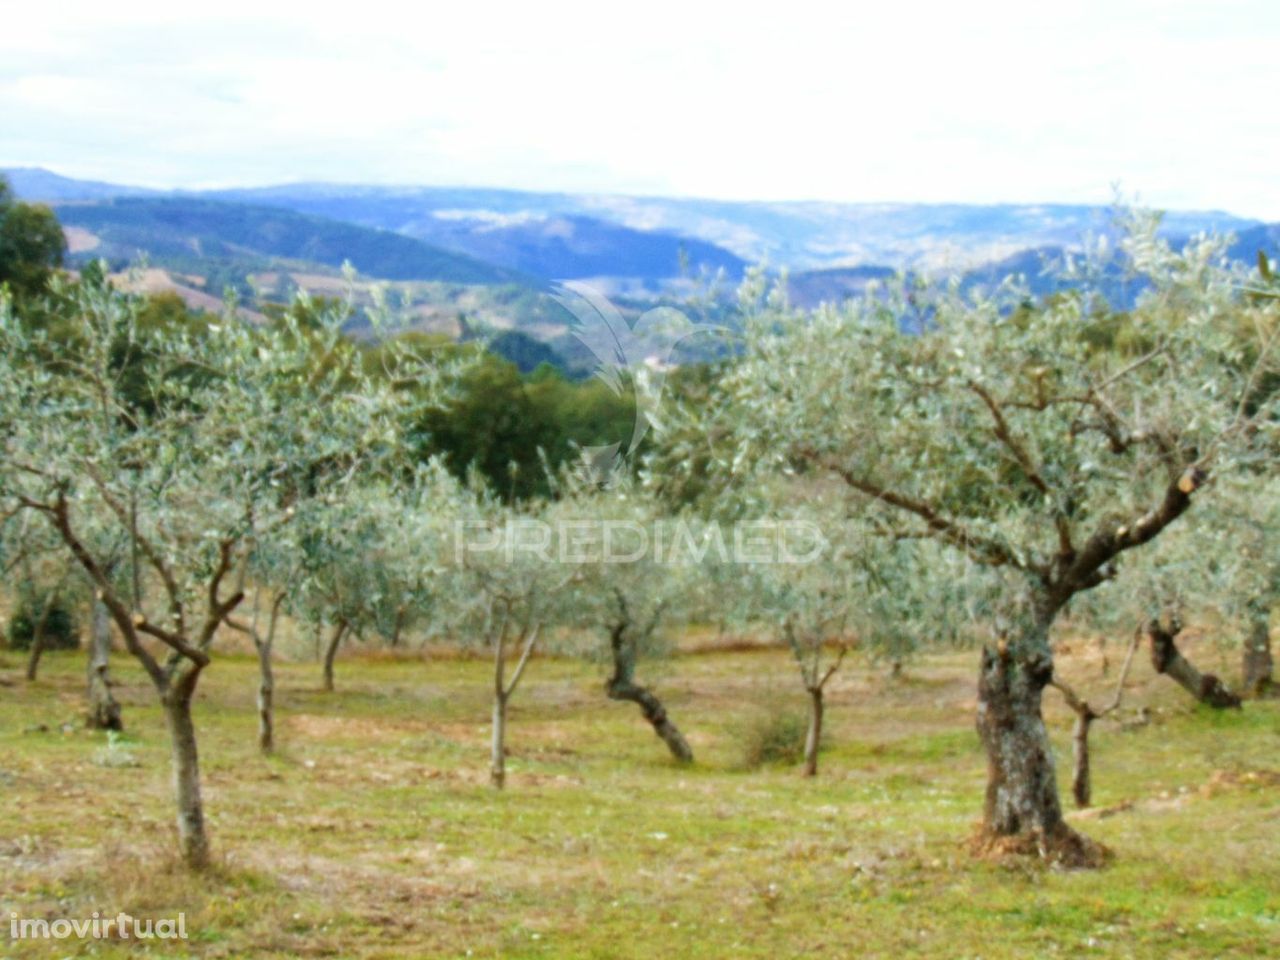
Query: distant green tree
(511, 428)
(31, 244)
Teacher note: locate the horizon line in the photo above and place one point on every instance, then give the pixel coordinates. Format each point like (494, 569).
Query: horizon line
(619, 194)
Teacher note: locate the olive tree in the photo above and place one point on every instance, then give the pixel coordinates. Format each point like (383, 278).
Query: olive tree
(858, 589)
(991, 424)
(810, 609)
(240, 423)
(377, 555)
(274, 566)
(639, 571)
(513, 565)
(341, 546)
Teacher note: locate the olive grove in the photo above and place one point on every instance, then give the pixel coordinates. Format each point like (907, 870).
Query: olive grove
(183, 462)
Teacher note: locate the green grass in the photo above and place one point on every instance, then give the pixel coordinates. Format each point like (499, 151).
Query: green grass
(373, 832)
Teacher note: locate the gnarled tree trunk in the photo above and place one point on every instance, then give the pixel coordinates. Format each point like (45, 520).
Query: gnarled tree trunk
(622, 686)
(104, 711)
(1167, 659)
(1256, 661)
(193, 843)
(1022, 812)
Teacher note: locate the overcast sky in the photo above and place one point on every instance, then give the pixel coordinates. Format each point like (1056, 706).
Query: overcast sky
(1175, 101)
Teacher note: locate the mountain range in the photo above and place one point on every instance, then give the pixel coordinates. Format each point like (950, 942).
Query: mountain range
(476, 241)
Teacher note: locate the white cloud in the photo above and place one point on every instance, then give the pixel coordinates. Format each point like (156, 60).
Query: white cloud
(927, 101)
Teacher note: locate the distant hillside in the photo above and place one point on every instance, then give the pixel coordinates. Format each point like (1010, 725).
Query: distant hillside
(35, 183)
(544, 238)
(181, 231)
(800, 235)
(562, 235)
(572, 247)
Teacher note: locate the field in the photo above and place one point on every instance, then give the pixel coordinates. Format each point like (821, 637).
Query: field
(373, 832)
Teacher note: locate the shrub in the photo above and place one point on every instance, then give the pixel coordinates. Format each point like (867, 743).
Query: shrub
(60, 629)
(776, 734)
(115, 754)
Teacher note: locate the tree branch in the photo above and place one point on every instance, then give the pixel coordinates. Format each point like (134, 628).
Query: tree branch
(1027, 464)
(60, 515)
(524, 660)
(983, 549)
(148, 549)
(1110, 541)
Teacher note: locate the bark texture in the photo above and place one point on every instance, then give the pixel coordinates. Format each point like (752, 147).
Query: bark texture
(104, 711)
(1022, 812)
(1166, 658)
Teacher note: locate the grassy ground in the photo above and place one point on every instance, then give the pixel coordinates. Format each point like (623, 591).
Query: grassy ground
(373, 832)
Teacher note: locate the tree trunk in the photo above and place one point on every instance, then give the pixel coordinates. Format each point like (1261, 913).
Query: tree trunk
(1022, 812)
(1167, 659)
(814, 737)
(331, 653)
(622, 686)
(655, 713)
(398, 626)
(37, 638)
(1257, 664)
(104, 712)
(1081, 787)
(33, 658)
(266, 700)
(498, 748)
(193, 843)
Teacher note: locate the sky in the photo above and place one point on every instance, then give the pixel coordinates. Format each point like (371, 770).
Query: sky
(1173, 102)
